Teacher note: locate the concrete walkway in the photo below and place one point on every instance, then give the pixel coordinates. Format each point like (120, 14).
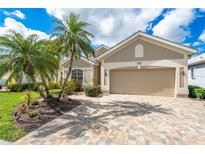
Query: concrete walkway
(126, 119)
(4, 143)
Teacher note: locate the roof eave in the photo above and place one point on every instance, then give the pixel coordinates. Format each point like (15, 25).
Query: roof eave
(92, 63)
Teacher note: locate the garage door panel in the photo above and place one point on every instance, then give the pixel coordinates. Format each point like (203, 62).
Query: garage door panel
(159, 82)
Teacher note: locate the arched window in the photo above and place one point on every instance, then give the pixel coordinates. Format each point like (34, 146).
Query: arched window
(77, 74)
(139, 51)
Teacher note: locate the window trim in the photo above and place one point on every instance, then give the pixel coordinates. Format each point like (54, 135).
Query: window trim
(139, 51)
(77, 74)
(105, 77)
(193, 72)
(182, 78)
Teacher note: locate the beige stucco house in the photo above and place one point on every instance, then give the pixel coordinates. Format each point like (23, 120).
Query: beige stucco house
(141, 64)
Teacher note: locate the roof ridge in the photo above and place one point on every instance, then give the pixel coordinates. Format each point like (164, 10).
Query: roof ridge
(102, 45)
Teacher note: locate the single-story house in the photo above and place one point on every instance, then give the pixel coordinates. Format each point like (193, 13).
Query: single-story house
(3, 79)
(140, 64)
(196, 72)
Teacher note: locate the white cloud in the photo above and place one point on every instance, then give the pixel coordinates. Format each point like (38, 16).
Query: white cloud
(174, 25)
(16, 13)
(187, 44)
(107, 25)
(110, 26)
(202, 9)
(12, 24)
(201, 39)
(202, 36)
(197, 43)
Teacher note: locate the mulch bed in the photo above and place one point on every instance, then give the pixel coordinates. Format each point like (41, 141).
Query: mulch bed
(43, 110)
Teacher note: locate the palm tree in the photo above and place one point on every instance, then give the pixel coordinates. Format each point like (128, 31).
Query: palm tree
(26, 57)
(75, 40)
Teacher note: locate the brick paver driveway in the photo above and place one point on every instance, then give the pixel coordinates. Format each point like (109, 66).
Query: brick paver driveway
(126, 119)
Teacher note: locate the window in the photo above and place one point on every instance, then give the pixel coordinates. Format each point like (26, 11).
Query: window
(139, 51)
(105, 78)
(77, 74)
(61, 76)
(193, 72)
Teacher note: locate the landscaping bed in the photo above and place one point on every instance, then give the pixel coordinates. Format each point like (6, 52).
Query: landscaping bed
(30, 117)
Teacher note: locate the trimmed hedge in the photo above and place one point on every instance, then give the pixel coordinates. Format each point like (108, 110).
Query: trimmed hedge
(196, 92)
(92, 91)
(18, 87)
(73, 86)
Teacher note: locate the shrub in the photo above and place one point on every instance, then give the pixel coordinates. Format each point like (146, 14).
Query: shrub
(191, 91)
(200, 93)
(54, 85)
(92, 91)
(35, 103)
(32, 114)
(18, 87)
(196, 92)
(73, 86)
(28, 98)
(68, 90)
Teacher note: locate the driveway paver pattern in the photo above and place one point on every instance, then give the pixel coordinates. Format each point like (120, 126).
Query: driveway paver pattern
(125, 119)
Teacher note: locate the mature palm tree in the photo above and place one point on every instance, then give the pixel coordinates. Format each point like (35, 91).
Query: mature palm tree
(26, 56)
(75, 39)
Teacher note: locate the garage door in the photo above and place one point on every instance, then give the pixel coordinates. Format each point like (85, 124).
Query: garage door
(158, 82)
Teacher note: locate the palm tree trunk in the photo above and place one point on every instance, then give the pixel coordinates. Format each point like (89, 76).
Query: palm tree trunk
(45, 85)
(67, 76)
(41, 92)
(38, 88)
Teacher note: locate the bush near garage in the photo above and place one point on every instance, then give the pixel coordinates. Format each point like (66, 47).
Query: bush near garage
(196, 92)
(92, 91)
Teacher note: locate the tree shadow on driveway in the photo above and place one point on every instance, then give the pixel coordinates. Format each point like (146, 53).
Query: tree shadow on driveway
(95, 117)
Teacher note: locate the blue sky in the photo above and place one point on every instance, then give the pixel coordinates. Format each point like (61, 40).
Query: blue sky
(109, 26)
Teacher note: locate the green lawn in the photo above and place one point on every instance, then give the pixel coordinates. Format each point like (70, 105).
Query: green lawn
(54, 91)
(8, 101)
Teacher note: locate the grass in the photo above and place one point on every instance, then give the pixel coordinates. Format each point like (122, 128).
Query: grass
(54, 91)
(8, 101)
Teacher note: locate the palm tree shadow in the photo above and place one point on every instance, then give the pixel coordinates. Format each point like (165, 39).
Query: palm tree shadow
(93, 116)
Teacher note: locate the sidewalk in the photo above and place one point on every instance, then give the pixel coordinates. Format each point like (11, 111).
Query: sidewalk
(4, 143)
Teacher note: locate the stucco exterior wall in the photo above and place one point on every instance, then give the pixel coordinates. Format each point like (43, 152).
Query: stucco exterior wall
(151, 52)
(78, 64)
(199, 75)
(100, 51)
(154, 56)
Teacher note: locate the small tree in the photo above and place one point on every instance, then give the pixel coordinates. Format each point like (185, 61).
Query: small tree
(28, 98)
(26, 57)
(75, 40)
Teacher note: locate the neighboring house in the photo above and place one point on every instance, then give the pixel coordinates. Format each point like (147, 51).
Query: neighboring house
(196, 73)
(140, 64)
(3, 79)
(6, 76)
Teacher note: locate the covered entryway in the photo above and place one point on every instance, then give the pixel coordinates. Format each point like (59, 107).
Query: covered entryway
(157, 81)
